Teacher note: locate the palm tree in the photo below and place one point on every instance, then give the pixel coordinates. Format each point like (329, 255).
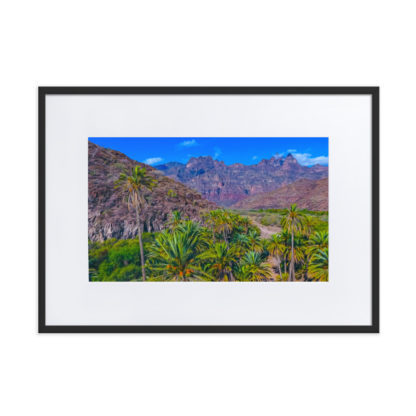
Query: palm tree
(223, 225)
(319, 265)
(254, 241)
(298, 253)
(245, 222)
(191, 228)
(175, 220)
(292, 221)
(210, 219)
(221, 260)
(316, 242)
(252, 267)
(133, 185)
(241, 243)
(175, 256)
(319, 239)
(285, 237)
(308, 224)
(276, 248)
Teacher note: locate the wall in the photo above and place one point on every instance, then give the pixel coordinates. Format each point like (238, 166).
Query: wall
(210, 43)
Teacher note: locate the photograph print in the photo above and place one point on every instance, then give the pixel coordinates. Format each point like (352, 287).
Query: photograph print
(208, 209)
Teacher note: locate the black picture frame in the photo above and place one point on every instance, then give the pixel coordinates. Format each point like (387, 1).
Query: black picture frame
(372, 91)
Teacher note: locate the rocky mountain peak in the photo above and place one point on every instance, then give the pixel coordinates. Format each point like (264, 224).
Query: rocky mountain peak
(200, 161)
(290, 159)
(108, 214)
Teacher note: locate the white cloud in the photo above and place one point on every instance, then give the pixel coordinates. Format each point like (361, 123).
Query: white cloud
(152, 160)
(217, 152)
(255, 157)
(189, 143)
(291, 150)
(307, 159)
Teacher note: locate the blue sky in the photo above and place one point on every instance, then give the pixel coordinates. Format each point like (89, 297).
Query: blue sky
(247, 150)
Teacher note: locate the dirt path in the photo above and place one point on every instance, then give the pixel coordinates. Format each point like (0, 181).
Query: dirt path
(266, 231)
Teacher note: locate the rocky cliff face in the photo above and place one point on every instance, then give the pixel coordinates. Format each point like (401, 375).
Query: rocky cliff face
(108, 215)
(226, 185)
(305, 193)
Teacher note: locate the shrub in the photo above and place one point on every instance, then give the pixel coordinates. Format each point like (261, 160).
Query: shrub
(270, 220)
(115, 260)
(126, 274)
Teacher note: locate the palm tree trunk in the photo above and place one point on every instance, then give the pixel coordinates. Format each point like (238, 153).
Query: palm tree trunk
(292, 263)
(279, 261)
(291, 272)
(139, 232)
(225, 238)
(231, 278)
(306, 269)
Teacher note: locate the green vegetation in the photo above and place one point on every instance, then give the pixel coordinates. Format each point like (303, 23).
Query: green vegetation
(226, 245)
(172, 193)
(116, 260)
(272, 217)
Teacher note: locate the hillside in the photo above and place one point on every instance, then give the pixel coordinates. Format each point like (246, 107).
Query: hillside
(306, 193)
(108, 215)
(228, 184)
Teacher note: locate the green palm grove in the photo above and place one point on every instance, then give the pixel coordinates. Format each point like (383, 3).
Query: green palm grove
(223, 246)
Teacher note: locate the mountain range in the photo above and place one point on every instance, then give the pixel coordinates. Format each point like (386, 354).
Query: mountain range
(194, 188)
(227, 185)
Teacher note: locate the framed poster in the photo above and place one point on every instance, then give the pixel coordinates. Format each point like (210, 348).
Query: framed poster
(208, 209)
